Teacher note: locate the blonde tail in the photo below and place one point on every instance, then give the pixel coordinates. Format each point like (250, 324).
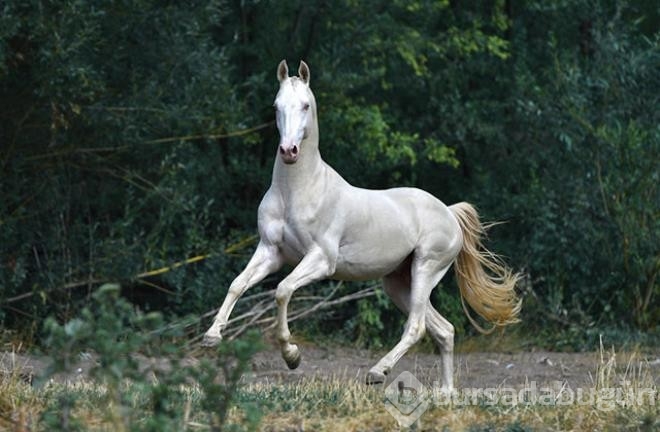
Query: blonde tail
(484, 281)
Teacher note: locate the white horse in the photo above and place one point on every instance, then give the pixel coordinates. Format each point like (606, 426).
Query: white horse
(313, 219)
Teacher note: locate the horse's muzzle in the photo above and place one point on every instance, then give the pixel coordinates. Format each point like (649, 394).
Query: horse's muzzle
(289, 153)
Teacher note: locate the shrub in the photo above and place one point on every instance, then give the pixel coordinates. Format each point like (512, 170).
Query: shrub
(143, 375)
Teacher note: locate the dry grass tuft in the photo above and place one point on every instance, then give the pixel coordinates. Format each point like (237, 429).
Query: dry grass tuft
(18, 402)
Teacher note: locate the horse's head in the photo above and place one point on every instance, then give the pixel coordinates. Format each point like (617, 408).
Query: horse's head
(295, 111)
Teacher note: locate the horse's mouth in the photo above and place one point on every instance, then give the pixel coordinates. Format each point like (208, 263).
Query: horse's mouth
(289, 159)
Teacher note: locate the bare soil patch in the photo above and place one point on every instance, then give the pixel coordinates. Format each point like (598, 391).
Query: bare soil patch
(472, 370)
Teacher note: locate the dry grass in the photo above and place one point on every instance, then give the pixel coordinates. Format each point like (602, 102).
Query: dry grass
(338, 404)
(624, 398)
(18, 401)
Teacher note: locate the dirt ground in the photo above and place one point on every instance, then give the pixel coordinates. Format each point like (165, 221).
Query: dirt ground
(472, 370)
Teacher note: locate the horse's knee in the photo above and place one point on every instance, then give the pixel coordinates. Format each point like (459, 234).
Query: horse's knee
(282, 294)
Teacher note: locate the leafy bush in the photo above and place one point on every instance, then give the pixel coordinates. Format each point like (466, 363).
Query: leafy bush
(590, 201)
(146, 378)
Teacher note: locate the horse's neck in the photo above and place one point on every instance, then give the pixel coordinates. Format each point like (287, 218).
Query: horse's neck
(302, 175)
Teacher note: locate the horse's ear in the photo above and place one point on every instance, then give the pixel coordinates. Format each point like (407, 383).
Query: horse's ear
(282, 71)
(303, 72)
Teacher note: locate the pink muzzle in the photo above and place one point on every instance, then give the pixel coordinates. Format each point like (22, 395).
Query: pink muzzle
(289, 153)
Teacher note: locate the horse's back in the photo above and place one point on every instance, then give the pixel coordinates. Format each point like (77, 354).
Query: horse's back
(384, 227)
(437, 226)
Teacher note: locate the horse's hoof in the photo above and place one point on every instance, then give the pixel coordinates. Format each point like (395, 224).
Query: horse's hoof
(211, 341)
(292, 357)
(374, 378)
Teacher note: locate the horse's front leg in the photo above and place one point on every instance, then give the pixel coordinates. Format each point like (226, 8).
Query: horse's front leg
(315, 266)
(266, 260)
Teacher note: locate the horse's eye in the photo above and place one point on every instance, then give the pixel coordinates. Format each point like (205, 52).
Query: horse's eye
(305, 107)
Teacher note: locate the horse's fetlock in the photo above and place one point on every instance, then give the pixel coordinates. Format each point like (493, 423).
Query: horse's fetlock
(284, 338)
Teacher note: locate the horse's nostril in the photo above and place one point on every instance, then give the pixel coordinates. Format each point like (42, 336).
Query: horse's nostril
(281, 150)
(294, 150)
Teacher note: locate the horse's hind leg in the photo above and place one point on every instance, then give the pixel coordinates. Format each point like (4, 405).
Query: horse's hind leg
(425, 275)
(442, 332)
(397, 287)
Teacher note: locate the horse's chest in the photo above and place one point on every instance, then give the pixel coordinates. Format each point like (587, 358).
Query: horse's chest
(295, 224)
(297, 233)
(292, 233)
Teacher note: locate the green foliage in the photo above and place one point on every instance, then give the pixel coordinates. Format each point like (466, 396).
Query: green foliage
(147, 380)
(103, 329)
(138, 134)
(110, 126)
(446, 300)
(376, 321)
(593, 185)
(58, 415)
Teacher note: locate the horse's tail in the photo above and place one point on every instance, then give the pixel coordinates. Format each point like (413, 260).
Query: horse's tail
(483, 279)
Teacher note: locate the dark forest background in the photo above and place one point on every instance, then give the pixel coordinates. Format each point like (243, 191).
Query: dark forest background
(135, 135)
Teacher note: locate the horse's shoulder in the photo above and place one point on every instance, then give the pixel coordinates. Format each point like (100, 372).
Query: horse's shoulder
(271, 203)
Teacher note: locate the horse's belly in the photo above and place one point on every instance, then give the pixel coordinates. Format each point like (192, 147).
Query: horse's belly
(369, 263)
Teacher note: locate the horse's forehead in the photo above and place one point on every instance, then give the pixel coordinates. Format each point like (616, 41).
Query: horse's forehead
(292, 90)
